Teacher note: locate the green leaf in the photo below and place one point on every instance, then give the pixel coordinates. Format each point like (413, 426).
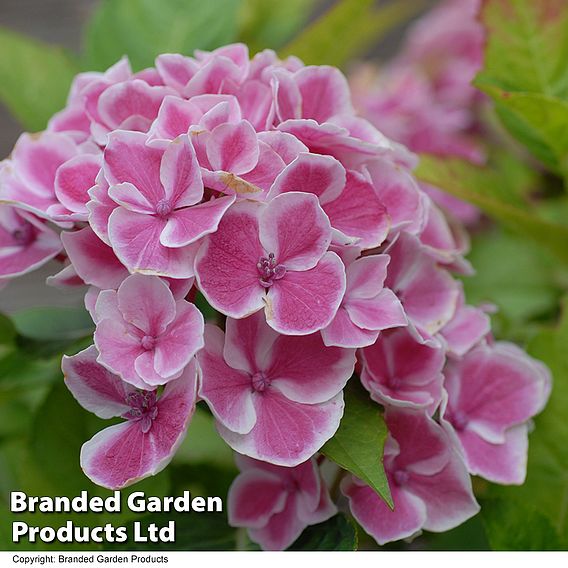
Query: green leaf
(527, 46)
(348, 29)
(483, 187)
(532, 293)
(545, 492)
(204, 531)
(52, 323)
(358, 444)
(142, 29)
(525, 73)
(337, 533)
(34, 78)
(203, 443)
(271, 24)
(538, 121)
(7, 330)
(518, 527)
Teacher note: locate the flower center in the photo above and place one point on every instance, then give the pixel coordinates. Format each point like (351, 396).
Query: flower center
(163, 208)
(259, 382)
(148, 342)
(143, 408)
(401, 477)
(269, 270)
(24, 235)
(458, 419)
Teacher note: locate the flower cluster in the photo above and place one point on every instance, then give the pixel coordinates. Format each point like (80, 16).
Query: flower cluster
(255, 184)
(424, 97)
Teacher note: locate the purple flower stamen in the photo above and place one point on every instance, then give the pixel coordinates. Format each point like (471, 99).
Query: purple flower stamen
(269, 270)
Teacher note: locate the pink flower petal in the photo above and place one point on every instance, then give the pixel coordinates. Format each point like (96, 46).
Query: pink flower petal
(294, 227)
(123, 454)
(358, 212)
(94, 261)
(254, 497)
(342, 332)
(147, 303)
(226, 263)
(504, 463)
(74, 179)
(248, 343)
(323, 176)
(303, 302)
(304, 370)
(181, 341)
(127, 158)
(118, 350)
(384, 311)
(94, 387)
(377, 519)
(185, 226)
(233, 148)
(180, 174)
(135, 239)
(324, 91)
(227, 391)
(286, 432)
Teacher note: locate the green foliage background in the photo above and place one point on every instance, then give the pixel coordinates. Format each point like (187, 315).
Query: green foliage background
(521, 262)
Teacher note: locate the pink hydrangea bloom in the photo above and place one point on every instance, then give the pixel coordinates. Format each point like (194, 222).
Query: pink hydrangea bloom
(143, 334)
(491, 395)
(277, 503)
(428, 292)
(398, 371)
(255, 184)
(276, 398)
(157, 189)
(274, 256)
(429, 483)
(26, 242)
(155, 425)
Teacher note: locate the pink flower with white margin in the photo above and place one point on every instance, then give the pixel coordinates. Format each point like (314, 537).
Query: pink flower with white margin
(276, 398)
(144, 334)
(27, 178)
(428, 292)
(274, 256)
(429, 483)
(275, 504)
(399, 371)
(157, 187)
(467, 328)
(155, 424)
(348, 198)
(26, 243)
(492, 393)
(234, 160)
(367, 307)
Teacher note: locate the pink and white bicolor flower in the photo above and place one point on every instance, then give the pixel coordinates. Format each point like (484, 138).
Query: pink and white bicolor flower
(275, 504)
(276, 398)
(430, 486)
(155, 425)
(492, 393)
(367, 307)
(397, 370)
(144, 334)
(274, 256)
(26, 243)
(157, 188)
(347, 197)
